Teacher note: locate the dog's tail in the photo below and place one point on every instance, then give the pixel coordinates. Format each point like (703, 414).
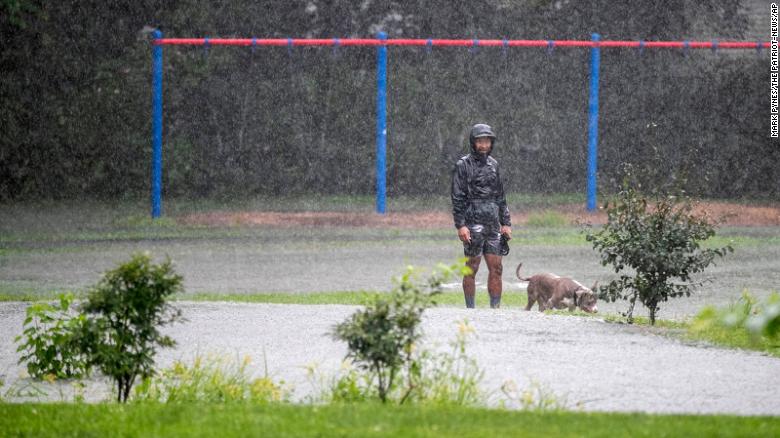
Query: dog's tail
(517, 272)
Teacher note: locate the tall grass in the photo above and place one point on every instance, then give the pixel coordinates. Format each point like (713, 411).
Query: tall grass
(212, 379)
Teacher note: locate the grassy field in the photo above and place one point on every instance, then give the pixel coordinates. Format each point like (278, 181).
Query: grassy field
(358, 420)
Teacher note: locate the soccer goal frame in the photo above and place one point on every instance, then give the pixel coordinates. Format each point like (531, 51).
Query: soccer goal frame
(595, 44)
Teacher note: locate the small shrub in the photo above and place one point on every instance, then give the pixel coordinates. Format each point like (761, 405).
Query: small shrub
(381, 337)
(125, 312)
(210, 379)
(443, 378)
(117, 331)
(50, 340)
(658, 243)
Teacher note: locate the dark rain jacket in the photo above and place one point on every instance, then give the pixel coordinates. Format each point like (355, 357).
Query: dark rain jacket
(477, 192)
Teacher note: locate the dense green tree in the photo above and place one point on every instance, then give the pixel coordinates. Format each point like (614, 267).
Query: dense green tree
(75, 118)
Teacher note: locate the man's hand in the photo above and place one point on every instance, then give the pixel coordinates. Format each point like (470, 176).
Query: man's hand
(506, 231)
(464, 234)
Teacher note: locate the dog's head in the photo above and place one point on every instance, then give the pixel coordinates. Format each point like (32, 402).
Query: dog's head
(586, 299)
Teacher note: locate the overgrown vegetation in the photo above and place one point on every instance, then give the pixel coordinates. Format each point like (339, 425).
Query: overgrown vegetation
(381, 338)
(654, 246)
(746, 323)
(537, 397)
(211, 379)
(93, 60)
(431, 376)
(127, 309)
(117, 332)
(51, 340)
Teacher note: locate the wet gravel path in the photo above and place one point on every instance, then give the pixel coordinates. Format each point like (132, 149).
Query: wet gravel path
(584, 362)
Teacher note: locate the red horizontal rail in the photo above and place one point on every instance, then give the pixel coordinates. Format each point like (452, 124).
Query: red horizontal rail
(458, 43)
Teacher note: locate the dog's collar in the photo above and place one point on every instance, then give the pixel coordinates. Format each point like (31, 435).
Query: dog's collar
(575, 298)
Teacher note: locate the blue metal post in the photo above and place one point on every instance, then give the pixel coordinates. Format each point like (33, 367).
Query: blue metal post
(157, 77)
(381, 124)
(593, 122)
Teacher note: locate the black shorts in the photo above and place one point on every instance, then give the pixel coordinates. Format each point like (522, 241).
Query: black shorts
(484, 240)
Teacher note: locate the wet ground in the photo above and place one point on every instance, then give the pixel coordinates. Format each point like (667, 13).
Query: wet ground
(587, 363)
(272, 263)
(581, 363)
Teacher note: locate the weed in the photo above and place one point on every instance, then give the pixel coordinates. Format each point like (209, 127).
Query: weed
(428, 377)
(537, 397)
(381, 337)
(213, 379)
(50, 340)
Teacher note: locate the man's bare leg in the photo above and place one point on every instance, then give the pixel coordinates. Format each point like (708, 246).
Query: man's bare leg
(495, 270)
(469, 285)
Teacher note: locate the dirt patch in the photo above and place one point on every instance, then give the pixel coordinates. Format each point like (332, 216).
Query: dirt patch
(728, 213)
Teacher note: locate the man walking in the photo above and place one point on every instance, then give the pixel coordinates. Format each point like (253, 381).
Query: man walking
(480, 213)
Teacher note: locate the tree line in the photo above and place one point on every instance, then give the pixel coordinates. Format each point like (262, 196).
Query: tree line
(76, 93)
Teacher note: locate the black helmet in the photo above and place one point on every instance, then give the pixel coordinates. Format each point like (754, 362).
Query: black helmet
(481, 130)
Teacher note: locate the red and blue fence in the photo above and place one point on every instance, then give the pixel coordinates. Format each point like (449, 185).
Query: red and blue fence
(382, 43)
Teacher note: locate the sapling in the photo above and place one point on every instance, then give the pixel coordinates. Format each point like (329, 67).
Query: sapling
(655, 247)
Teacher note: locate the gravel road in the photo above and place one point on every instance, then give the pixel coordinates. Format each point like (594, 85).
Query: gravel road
(586, 363)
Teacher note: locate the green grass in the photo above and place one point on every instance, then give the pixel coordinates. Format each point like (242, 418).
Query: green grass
(644, 321)
(446, 299)
(356, 420)
(737, 337)
(356, 298)
(547, 219)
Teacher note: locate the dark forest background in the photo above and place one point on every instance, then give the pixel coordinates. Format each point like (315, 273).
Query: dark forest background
(76, 98)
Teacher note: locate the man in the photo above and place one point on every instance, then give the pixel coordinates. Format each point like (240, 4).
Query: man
(480, 213)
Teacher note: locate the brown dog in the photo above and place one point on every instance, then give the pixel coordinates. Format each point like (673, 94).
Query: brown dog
(554, 292)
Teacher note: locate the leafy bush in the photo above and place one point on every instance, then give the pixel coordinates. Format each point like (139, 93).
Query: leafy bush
(659, 242)
(117, 331)
(126, 310)
(210, 379)
(381, 337)
(439, 377)
(743, 323)
(50, 340)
